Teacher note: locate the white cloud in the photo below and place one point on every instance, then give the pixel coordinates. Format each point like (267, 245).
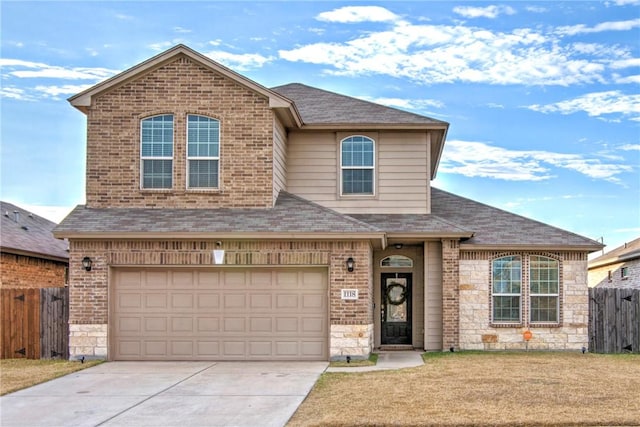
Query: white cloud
(571, 30)
(627, 79)
(15, 93)
(479, 159)
(536, 9)
(407, 104)
(491, 12)
(239, 62)
(55, 91)
(625, 63)
(596, 104)
(432, 54)
(181, 30)
(354, 14)
(630, 147)
(625, 2)
(28, 69)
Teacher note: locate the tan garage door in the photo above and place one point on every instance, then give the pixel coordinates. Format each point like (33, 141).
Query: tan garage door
(219, 314)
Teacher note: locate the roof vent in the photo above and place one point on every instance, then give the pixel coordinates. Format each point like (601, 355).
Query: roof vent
(16, 214)
(24, 227)
(6, 213)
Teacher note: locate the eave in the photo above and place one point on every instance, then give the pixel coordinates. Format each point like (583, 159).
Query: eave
(378, 240)
(616, 260)
(553, 248)
(34, 255)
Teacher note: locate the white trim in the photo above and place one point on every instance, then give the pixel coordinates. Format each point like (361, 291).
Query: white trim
(143, 158)
(188, 158)
(372, 168)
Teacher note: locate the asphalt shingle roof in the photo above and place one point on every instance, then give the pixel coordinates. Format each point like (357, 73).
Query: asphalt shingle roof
(29, 234)
(628, 251)
(291, 214)
(412, 223)
(493, 226)
(318, 106)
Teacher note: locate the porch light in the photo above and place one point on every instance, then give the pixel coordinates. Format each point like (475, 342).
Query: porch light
(86, 263)
(350, 263)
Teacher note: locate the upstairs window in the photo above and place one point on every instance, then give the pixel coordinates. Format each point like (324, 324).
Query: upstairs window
(203, 152)
(506, 289)
(544, 286)
(156, 152)
(357, 165)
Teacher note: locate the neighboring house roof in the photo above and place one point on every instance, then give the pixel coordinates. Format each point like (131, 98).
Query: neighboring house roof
(291, 217)
(25, 233)
(497, 229)
(625, 253)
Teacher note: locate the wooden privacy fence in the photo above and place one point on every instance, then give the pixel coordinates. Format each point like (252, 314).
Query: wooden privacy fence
(35, 323)
(614, 320)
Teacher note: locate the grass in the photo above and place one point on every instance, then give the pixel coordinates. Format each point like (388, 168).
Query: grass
(484, 388)
(16, 374)
(371, 361)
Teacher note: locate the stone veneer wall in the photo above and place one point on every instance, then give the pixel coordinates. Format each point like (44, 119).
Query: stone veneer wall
(476, 332)
(350, 322)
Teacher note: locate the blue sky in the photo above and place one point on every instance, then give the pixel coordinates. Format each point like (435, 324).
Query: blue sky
(543, 97)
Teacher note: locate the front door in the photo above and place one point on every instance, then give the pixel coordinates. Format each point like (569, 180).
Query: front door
(395, 308)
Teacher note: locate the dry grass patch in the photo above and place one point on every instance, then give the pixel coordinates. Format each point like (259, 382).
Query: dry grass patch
(514, 389)
(16, 374)
(371, 361)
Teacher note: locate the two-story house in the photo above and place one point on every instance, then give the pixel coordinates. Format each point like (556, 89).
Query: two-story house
(228, 221)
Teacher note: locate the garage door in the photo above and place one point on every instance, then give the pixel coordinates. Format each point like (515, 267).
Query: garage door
(219, 314)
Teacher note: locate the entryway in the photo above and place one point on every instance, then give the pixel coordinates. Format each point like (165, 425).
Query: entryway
(395, 308)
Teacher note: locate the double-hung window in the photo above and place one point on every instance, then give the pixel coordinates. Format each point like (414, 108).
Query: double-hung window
(357, 165)
(507, 289)
(203, 152)
(156, 153)
(544, 290)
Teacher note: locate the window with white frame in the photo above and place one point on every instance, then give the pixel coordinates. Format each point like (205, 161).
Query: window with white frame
(357, 165)
(156, 152)
(544, 289)
(203, 152)
(624, 272)
(506, 292)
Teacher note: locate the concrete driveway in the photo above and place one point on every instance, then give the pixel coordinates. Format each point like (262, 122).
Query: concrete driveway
(181, 394)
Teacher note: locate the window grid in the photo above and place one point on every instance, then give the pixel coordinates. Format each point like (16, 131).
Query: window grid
(156, 152)
(545, 305)
(506, 290)
(357, 165)
(203, 152)
(544, 289)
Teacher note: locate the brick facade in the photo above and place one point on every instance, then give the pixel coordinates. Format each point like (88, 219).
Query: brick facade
(19, 271)
(450, 294)
(180, 87)
(610, 276)
(89, 290)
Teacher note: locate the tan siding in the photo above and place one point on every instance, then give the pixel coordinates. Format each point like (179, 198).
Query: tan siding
(402, 169)
(433, 296)
(279, 159)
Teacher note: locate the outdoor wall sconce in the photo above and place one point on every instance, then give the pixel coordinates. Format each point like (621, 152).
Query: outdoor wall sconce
(350, 263)
(86, 263)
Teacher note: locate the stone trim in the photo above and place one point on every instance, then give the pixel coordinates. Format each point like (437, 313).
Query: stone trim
(351, 340)
(88, 340)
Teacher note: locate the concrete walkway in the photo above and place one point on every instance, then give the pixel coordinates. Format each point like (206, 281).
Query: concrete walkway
(387, 360)
(166, 394)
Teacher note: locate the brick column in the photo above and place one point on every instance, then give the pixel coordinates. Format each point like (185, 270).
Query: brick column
(450, 294)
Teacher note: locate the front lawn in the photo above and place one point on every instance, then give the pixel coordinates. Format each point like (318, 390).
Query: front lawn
(16, 374)
(482, 388)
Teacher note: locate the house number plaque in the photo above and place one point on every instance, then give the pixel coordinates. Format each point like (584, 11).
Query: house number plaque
(349, 294)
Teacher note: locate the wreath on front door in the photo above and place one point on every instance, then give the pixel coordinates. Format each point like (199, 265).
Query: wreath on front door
(397, 300)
